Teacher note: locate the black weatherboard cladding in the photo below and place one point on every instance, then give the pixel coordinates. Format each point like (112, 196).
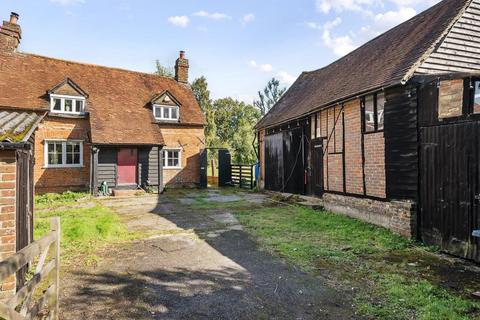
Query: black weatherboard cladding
(401, 143)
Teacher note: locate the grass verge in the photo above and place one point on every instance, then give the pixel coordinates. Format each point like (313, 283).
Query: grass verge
(56, 200)
(379, 265)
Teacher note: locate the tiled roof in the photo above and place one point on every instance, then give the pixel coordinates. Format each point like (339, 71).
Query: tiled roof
(382, 62)
(118, 101)
(17, 126)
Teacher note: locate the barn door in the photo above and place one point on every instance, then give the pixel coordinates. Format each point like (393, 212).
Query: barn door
(224, 168)
(449, 187)
(317, 167)
(203, 168)
(127, 162)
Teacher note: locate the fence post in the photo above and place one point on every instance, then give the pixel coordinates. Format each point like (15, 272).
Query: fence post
(241, 177)
(55, 227)
(251, 177)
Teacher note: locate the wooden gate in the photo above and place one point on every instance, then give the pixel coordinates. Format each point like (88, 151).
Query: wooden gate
(24, 208)
(203, 168)
(224, 168)
(449, 187)
(317, 167)
(24, 305)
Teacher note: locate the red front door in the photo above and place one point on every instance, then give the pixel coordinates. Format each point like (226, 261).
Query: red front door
(127, 166)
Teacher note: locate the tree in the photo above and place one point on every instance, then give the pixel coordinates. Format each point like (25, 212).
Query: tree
(202, 94)
(163, 71)
(270, 95)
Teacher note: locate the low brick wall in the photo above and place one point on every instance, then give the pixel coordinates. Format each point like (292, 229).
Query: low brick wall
(8, 171)
(398, 216)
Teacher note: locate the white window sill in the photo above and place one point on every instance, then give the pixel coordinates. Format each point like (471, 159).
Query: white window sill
(64, 167)
(172, 168)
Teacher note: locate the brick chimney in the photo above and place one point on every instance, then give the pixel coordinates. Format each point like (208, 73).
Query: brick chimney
(10, 34)
(181, 68)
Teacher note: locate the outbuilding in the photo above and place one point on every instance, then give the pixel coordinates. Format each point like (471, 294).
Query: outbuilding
(390, 133)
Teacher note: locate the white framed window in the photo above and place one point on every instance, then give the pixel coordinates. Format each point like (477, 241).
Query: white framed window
(67, 104)
(171, 113)
(63, 153)
(172, 158)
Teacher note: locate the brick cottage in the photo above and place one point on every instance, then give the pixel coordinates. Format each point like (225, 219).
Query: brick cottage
(125, 128)
(388, 133)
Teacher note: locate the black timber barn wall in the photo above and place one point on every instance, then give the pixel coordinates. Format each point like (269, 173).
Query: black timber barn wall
(401, 143)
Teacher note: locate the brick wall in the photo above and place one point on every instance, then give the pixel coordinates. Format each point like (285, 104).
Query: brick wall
(353, 148)
(190, 140)
(450, 98)
(8, 171)
(62, 179)
(398, 216)
(375, 165)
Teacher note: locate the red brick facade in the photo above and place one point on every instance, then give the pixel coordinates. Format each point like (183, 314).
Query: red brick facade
(62, 179)
(8, 171)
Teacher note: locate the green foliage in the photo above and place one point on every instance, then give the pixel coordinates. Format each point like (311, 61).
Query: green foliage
(83, 230)
(163, 71)
(229, 123)
(357, 253)
(271, 94)
(54, 200)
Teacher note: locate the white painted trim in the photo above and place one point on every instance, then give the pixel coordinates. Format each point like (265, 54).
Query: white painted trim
(62, 104)
(165, 158)
(64, 154)
(161, 107)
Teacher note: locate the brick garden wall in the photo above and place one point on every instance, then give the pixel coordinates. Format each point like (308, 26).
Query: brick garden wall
(8, 169)
(62, 179)
(190, 140)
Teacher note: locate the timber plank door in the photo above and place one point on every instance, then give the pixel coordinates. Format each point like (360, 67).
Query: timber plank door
(317, 167)
(449, 187)
(127, 162)
(224, 168)
(203, 168)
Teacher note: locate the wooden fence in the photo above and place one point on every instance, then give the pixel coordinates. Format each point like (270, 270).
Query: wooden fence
(243, 175)
(25, 305)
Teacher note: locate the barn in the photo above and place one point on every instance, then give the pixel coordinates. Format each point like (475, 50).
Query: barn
(390, 133)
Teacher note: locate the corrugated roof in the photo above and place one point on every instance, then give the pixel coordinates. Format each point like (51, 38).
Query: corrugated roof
(17, 126)
(382, 62)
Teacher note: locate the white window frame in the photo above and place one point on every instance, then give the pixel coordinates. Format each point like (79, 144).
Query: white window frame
(165, 158)
(64, 153)
(62, 104)
(162, 107)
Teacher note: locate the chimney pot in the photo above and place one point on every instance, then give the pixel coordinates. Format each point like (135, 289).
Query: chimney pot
(14, 18)
(182, 54)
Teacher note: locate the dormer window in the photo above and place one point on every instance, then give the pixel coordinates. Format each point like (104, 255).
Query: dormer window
(165, 107)
(169, 113)
(67, 104)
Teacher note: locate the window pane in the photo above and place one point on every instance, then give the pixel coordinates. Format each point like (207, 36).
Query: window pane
(79, 106)
(476, 103)
(55, 153)
(164, 157)
(369, 114)
(166, 113)
(380, 109)
(57, 104)
(174, 113)
(158, 112)
(68, 105)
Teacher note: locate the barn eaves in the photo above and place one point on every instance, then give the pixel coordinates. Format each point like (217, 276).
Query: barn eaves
(16, 128)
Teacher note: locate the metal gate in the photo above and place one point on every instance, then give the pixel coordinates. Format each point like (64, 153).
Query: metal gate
(449, 187)
(224, 168)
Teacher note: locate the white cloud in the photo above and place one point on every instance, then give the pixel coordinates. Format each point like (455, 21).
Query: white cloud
(250, 17)
(266, 67)
(325, 6)
(68, 2)
(339, 45)
(213, 16)
(286, 77)
(179, 21)
(385, 21)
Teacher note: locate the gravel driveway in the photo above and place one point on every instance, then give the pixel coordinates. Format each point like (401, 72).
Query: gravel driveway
(198, 264)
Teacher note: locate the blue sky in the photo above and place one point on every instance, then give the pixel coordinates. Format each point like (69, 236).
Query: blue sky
(238, 45)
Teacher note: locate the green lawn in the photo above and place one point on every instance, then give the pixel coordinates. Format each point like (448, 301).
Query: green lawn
(84, 230)
(371, 260)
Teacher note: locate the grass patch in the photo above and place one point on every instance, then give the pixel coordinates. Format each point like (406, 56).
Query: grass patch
(356, 254)
(55, 200)
(84, 230)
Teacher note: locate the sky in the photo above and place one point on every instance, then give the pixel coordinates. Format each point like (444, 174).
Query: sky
(238, 45)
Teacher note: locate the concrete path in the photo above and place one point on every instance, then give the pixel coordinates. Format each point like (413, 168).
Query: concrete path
(198, 264)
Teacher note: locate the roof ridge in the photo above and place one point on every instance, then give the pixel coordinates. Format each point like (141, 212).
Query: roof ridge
(94, 65)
